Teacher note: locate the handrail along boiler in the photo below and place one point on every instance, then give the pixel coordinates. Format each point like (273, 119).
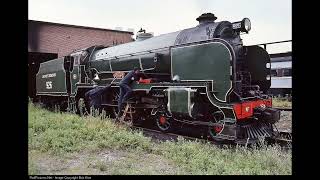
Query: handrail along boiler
(204, 76)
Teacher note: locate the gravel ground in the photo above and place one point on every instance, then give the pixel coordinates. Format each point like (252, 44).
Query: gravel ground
(106, 162)
(285, 122)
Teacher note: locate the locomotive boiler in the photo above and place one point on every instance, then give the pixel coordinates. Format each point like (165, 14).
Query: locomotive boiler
(203, 76)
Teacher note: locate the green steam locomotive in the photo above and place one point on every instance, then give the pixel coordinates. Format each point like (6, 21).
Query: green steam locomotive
(203, 76)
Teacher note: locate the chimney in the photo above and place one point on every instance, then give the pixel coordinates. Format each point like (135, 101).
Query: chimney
(206, 18)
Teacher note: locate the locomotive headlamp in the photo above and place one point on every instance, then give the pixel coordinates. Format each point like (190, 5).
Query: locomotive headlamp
(243, 26)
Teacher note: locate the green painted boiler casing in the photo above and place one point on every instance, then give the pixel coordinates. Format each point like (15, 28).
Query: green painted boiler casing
(153, 55)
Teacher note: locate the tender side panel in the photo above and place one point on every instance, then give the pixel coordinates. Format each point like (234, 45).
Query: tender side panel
(51, 78)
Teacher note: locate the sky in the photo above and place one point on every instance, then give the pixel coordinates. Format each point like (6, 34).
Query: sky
(270, 20)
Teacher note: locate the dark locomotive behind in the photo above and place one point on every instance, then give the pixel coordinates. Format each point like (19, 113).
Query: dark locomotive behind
(202, 76)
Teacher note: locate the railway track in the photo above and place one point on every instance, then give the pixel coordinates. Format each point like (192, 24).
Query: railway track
(162, 136)
(283, 139)
(159, 136)
(283, 109)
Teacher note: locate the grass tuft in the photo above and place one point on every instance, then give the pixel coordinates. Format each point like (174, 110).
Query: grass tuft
(64, 132)
(281, 102)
